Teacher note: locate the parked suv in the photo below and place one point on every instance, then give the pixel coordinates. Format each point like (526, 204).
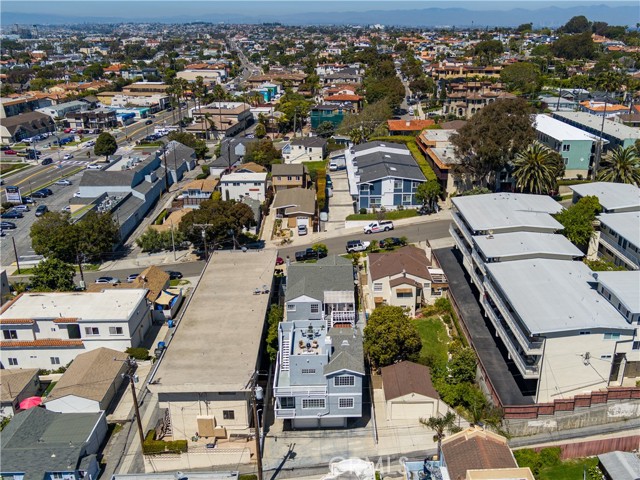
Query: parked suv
(357, 246)
(381, 226)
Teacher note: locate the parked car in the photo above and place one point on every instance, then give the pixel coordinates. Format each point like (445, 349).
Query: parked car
(329, 182)
(301, 256)
(47, 161)
(173, 275)
(64, 182)
(28, 200)
(41, 210)
(391, 242)
(22, 208)
(7, 226)
(66, 209)
(112, 280)
(258, 245)
(333, 166)
(132, 277)
(302, 230)
(381, 226)
(10, 152)
(90, 143)
(324, 216)
(94, 166)
(279, 261)
(357, 246)
(12, 214)
(4, 148)
(39, 194)
(148, 122)
(68, 156)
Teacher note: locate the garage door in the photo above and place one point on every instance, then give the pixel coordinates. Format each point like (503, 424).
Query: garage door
(411, 411)
(333, 422)
(305, 423)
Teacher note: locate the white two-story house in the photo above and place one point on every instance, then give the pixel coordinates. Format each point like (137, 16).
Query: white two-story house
(236, 186)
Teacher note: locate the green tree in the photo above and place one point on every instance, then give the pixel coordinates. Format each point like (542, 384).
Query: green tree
(94, 71)
(325, 129)
(225, 217)
(621, 165)
(190, 140)
(276, 314)
(390, 336)
(320, 249)
(492, 138)
(577, 24)
(488, 50)
(97, 233)
(525, 28)
(155, 241)
(261, 130)
(522, 76)
(574, 47)
(105, 144)
(428, 193)
(372, 120)
(577, 220)
(52, 275)
(440, 425)
(262, 152)
(537, 168)
(462, 366)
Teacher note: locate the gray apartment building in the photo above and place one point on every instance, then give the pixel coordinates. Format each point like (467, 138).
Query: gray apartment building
(320, 366)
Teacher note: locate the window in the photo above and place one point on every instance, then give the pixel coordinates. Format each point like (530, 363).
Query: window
(91, 331)
(228, 414)
(291, 307)
(344, 381)
(345, 403)
(611, 336)
(307, 371)
(315, 307)
(288, 402)
(289, 178)
(397, 185)
(10, 334)
(605, 357)
(309, 403)
(404, 294)
(13, 361)
(115, 331)
(635, 346)
(377, 287)
(406, 199)
(586, 332)
(55, 360)
(566, 148)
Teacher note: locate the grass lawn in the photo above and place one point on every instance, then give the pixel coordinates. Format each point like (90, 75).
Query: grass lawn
(394, 215)
(320, 165)
(568, 470)
(7, 168)
(434, 338)
(178, 283)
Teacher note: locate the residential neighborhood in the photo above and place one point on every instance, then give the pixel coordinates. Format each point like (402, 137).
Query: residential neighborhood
(275, 240)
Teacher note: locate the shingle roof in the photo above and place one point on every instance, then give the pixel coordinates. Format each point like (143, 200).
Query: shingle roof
(284, 169)
(297, 200)
(380, 164)
(332, 273)
(348, 354)
(14, 381)
(90, 375)
(405, 378)
(409, 259)
(310, 142)
(621, 465)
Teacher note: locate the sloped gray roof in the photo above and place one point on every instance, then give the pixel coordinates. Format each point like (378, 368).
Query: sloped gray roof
(348, 353)
(332, 273)
(380, 164)
(621, 465)
(315, 142)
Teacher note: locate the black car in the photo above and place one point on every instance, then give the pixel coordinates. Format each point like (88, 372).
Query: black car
(27, 200)
(39, 194)
(301, 256)
(391, 242)
(148, 122)
(47, 161)
(11, 214)
(41, 210)
(173, 275)
(258, 245)
(309, 254)
(7, 226)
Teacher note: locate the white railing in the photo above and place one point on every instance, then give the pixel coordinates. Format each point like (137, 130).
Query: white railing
(285, 412)
(531, 347)
(300, 390)
(462, 227)
(528, 371)
(622, 254)
(462, 246)
(343, 316)
(479, 261)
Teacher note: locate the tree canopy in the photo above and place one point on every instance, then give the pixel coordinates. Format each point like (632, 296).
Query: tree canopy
(574, 47)
(105, 144)
(577, 220)
(537, 168)
(52, 275)
(577, 24)
(390, 336)
(263, 153)
(522, 76)
(488, 50)
(622, 165)
(190, 140)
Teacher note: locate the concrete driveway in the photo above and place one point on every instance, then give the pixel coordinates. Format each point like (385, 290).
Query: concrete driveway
(341, 203)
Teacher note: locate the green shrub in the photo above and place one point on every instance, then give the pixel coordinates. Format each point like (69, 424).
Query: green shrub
(321, 189)
(550, 457)
(154, 447)
(412, 145)
(160, 218)
(248, 476)
(138, 353)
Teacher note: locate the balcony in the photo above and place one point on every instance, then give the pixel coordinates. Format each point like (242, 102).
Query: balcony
(462, 245)
(609, 243)
(530, 347)
(341, 317)
(304, 390)
(462, 227)
(285, 412)
(528, 371)
(479, 261)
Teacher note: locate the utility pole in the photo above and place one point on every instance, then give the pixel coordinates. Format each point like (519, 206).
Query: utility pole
(133, 378)
(204, 236)
(256, 424)
(15, 252)
(173, 242)
(295, 118)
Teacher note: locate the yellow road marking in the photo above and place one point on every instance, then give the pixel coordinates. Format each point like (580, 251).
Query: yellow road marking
(26, 179)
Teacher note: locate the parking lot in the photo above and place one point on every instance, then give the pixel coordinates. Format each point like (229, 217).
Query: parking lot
(341, 203)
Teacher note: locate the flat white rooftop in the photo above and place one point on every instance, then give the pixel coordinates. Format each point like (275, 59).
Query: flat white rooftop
(526, 244)
(625, 285)
(108, 304)
(555, 296)
(495, 211)
(614, 129)
(625, 224)
(216, 344)
(244, 177)
(612, 196)
(559, 130)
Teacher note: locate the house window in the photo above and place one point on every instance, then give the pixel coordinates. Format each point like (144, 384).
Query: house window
(406, 199)
(13, 361)
(55, 360)
(309, 403)
(566, 147)
(289, 178)
(291, 307)
(585, 332)
(228, 414)
(288, 402)
(315, 307)
(344, 381)
(10, 334)
(635, 346)
(345, 403)
(115, 331)
(397, 185)
(404, 294)
(605, 357)
(236, 184)
(308, 371)
(91, 331)
(377, 287)
(414, 186)
(611, 336)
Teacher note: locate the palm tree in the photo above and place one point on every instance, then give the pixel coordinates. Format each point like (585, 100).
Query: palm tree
(621, 166)
(536, 169)
(609, 81)
(439, 425)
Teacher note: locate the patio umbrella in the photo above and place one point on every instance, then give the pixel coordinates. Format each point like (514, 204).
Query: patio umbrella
(30, 402)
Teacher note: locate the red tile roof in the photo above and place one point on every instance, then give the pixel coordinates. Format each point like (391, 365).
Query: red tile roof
(344, 98)
(47, 342)
(65, 320)
(16, 321)
(402, 125)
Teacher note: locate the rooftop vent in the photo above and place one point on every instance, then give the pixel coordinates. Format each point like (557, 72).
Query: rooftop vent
(345, 343)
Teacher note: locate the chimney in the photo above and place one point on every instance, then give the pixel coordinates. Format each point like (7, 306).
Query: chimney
(427, 251)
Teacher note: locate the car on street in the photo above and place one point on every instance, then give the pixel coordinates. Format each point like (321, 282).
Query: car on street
(64, 182)
(90, 143)
(391, 242)
(22, 208)
(111, 280)
(279, 261)
(257, 245)
(27, 199)
(12, 214)
(309, 254)
(148, 122)
(381, 226)
(4, 148)
(66, 209)
(47, 161)
(94, 166)
(333, 166)
(68, 156)
(302, 230)
(10, 152)
(41, 210)
(39, 194)
(132, 277)
(8, 226)
(173, 275)
(357, 246)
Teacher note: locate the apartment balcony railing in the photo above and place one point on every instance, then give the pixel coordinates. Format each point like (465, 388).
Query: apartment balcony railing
(612, 245)
(462, 227)
(459, 241)
(528, 371)
(305, 390)
(529, 346)
(479, 261)
(342, 316)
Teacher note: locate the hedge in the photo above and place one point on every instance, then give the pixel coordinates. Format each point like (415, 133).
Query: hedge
(151, 446)
(412, 145)
(389, 215)
(138, 353)
(321, 189)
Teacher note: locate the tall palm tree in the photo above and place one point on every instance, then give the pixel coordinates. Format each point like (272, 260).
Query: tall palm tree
(621, 166)
(536, 169)
(439, 425)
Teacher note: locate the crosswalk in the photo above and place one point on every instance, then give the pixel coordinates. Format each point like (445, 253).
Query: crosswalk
(73, 162)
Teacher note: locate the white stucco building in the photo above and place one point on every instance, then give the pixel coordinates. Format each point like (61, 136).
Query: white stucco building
(236, 186)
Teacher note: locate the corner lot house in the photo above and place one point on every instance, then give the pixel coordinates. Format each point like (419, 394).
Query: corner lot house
(15, 386)
(48, 330)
